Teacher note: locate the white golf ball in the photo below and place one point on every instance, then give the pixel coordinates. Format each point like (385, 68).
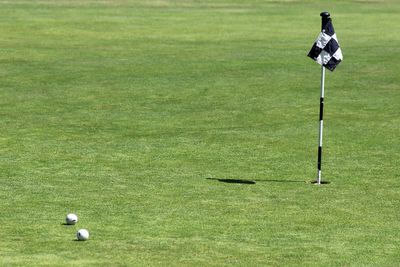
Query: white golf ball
(71, 219)
(82, 235)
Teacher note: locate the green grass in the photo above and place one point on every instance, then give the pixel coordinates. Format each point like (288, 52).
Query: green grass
(122, 111)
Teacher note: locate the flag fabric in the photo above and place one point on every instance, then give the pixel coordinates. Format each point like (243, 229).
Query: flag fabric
(326, 50)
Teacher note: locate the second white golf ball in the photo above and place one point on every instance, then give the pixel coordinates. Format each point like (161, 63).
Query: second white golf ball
(82, 235)
(71, 219)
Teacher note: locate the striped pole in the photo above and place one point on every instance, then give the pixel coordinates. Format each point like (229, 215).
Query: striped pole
(321, 124)
(325, 19)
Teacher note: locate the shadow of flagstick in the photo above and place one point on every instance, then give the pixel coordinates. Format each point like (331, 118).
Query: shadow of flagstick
(245, 181)
(232, 181)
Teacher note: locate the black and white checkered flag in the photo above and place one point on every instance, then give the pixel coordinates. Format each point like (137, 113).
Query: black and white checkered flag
(326, 50)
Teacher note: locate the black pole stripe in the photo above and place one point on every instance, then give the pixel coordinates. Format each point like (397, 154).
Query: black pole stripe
(321, 108)
(321, 115)
(319, 157)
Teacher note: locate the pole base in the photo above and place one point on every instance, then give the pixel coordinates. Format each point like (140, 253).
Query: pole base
(322, 182)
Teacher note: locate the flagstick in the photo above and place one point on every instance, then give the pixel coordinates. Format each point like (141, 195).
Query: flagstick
(328, 58)
(321, 123)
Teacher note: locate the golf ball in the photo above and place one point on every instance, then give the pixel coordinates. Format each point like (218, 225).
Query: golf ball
(71, 219)
(82, 235)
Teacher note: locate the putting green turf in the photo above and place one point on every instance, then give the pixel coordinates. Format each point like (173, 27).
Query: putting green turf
(128, 113)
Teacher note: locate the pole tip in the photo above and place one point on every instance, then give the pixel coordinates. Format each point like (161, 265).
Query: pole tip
(325, 14)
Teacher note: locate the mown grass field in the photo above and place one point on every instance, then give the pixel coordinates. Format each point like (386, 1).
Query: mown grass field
(128, 112)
